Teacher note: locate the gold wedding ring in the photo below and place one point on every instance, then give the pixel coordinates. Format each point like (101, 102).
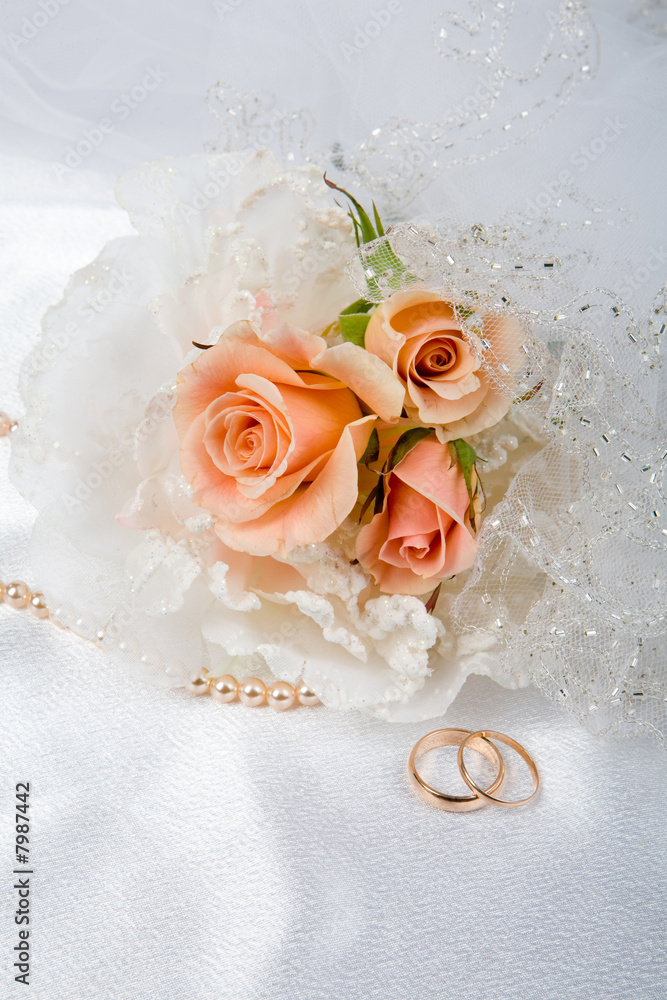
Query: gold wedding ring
(481, 742)
(487, 794)
(455, 737)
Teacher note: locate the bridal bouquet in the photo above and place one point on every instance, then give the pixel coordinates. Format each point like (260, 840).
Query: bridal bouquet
(266, 436)
(286, 435)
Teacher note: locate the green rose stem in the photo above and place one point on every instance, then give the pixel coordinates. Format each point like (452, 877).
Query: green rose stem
(354, 319)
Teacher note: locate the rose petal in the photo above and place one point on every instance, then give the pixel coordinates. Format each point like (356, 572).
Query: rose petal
(464, 360)
(431, 408)
(316, 511)
(390, 579)
(226, 432)
(220, 494)
(406, 328)
(294, 346)
(369, 377)
(505, 334)
(429, 471)
(421, 534)
(254, 483)
(382, 337)
(491, 408)
(317, 416)
(424, 316)
(425, 554)
(410, 512)
(461, 549)
(213, 372)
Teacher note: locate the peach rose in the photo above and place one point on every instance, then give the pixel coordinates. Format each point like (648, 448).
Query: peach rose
(417, 333)
(423, 532)
(271, 432)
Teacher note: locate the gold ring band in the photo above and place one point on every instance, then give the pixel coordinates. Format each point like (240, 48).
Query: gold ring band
(486, 795)
(454, 737)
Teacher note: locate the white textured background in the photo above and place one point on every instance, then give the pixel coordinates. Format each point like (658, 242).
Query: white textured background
(184, 849)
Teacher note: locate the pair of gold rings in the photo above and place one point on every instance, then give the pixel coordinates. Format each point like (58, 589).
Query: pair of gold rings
(481, 742)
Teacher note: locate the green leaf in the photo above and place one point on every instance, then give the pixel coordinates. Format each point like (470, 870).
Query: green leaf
(377, 495)
(383, 257)
(372, 451)
(467, 459)
(433, 599)
(466, 456)
(360, 306)
(526, 396)
(368, 233)
(357, 231)
(378, 221)
(464, 313)
(353, 327)
(407, 441)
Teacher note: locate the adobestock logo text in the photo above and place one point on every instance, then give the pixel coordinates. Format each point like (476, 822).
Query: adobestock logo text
(371, 29)
(33, 24)
(122, 107)
(581, 158)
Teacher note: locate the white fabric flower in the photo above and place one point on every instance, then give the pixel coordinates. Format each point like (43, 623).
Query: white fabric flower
(120, 549)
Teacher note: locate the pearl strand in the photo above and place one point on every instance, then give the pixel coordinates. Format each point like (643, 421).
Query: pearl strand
(252, 691)
(18, 595)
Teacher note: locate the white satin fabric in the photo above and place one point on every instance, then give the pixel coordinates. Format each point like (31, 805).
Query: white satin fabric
(186, 849)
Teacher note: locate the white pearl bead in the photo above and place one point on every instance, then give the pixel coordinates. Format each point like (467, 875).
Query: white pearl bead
(252, 691)
(199, 685)
(280, 696)
(225, 688)
(37, 606)
(17, 594)
(305, 696)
